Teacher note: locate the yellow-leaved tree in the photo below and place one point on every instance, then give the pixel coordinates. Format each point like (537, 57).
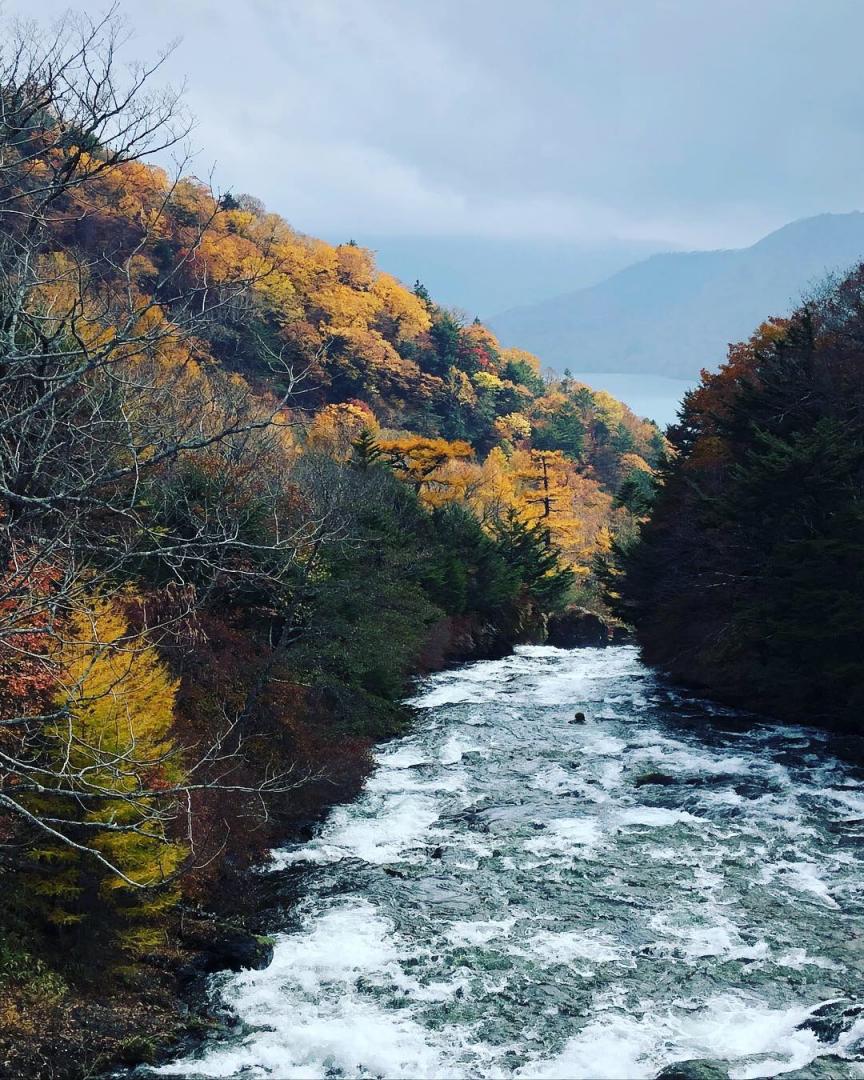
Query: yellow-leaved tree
(545, 496)
(113, 767)
(424, 463)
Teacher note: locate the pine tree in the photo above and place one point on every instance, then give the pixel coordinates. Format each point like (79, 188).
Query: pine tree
(526, 550)
(366, 450)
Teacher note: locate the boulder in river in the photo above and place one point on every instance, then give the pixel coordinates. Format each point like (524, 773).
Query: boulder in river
(695, 1069)
(663, 779)
(833, 1019)
(576, 627)
(221, 947)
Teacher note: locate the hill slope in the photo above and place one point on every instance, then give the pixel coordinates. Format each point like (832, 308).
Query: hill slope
(675, 314)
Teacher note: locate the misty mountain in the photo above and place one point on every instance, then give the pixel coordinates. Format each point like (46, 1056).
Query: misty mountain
(674, 314)
(479, 274)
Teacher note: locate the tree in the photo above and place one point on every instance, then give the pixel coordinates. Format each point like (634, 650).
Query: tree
(421, 462)
(107, 390)
(105, 787)
(366, 450)
(562, 431)
(544, 480)
(747, 578)
(526, 550)
(466, 569)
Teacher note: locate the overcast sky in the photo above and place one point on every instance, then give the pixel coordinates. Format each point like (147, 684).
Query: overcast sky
(690, 122)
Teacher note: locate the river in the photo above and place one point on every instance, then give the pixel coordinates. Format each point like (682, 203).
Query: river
(512, 897)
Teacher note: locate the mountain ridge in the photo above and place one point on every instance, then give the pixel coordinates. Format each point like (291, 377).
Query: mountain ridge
(676, 312)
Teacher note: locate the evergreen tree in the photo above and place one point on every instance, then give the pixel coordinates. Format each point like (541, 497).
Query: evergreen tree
(749, 577)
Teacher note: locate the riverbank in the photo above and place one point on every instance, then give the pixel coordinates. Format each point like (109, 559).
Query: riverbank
(51, 1031)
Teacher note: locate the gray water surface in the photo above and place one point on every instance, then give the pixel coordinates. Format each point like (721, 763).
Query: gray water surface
(510, 898)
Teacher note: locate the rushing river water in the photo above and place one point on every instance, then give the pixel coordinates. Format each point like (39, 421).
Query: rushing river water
(510, 898)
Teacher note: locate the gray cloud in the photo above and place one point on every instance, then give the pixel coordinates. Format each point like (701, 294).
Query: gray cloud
(695, 122)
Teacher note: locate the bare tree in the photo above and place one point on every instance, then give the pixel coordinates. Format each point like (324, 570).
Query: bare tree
(106, 408)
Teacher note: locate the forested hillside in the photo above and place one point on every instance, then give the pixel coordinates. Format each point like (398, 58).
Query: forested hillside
(249, 485)
(748, 579)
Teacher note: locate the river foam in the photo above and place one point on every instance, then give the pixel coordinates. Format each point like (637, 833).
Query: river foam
(515, 895)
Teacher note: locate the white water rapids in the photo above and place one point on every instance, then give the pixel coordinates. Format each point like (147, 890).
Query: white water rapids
(512, 897)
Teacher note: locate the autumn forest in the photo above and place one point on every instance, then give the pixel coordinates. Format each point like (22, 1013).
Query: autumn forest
(252, 485)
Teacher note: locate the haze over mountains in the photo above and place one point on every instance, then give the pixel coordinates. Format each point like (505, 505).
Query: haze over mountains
(479, 275)
(673, 314)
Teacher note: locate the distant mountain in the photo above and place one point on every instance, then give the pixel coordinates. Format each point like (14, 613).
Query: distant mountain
(480, 274)
(675, 314)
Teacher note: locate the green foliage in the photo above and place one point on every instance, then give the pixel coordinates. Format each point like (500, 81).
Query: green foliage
(526, 550)
(749, 577)
(465, 570)
(563, 431)
(422, 293)
(636, 493)
(518, 371)
(445, 338)
(28, 975)
(366, 613)
(366, 450)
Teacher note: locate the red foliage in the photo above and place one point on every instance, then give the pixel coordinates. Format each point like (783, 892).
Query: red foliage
(28, 668)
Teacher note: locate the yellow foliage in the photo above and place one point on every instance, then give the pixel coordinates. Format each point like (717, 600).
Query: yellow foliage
(420, 461)
(611, 408)
(497, 492)
(482, 335)
(345, 308)
(456, 481)
(516, 356)
(513, 426)
(629, 462)
(487, 380)
(405, 311)
(115, 740)
(336, 427)
(356, 266)
(463, 389)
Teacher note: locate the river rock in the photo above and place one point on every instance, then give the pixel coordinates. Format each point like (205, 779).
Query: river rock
(241, 951)
(830, 1020)
(828, 1065)
(224, 948)
(663, 779)
(576, 627)
(695, 1069)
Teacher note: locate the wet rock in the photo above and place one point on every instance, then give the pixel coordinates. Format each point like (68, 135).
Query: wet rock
(663, 779)
(137, 1051)
(830, 1020)
(828, 1065)
(711, 779)
(576, 627)
(695, 1069)
(438, 853)
(844, 824)
(578, 718)
(241, 951)
(224, 948)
